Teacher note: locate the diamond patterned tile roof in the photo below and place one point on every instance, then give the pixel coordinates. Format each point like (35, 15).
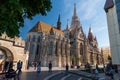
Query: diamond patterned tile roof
(43, 27)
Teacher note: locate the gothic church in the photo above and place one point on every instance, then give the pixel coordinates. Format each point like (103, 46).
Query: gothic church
(71, 46)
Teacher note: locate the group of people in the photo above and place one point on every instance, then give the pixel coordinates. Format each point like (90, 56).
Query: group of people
(9, 71)
(109, 70)
(9, 64)
(37, 66)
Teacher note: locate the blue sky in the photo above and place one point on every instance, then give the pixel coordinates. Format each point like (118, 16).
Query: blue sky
(90, 12)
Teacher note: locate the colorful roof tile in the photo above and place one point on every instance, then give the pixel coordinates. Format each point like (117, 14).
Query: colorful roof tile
(43, 27)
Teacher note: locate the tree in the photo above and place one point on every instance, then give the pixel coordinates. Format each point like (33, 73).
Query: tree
(13, 13)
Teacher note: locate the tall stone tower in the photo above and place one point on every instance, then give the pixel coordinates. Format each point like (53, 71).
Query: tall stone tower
(75, 20)
(112, 10)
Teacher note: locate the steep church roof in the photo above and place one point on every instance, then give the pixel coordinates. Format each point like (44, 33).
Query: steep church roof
(45, 28)
(109, 4)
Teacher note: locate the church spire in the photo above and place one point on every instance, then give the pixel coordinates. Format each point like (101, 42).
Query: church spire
(67, 25)
(90, 35)
(59, 23)
(75, 14)
(75, 21)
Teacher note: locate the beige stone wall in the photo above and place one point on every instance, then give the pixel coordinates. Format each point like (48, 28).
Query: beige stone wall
(17, 50)
(58, 60)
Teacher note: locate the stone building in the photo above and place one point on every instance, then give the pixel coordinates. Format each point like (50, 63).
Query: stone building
(46, 43)
(106, 52)
(12, 49)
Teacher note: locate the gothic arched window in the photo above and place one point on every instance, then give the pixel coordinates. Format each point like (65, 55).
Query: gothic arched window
(56, 49)
(32, 49)
(29, 38)
(37, 50)
(81, 49)
(33, 39)
(51, 48)
(38, 40)
(66, 49)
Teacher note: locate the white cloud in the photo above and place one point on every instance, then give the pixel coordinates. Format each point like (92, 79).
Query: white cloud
(99, 29)
(86, 9)
(89, 8)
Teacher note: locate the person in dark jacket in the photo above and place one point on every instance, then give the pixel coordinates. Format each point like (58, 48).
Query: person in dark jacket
(19, 66)
(111, 73)
(50, 66)
(67, 68)
(6, 66)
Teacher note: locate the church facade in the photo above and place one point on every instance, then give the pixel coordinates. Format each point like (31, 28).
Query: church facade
(71, 46)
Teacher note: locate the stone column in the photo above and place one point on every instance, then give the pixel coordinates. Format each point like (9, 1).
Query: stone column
(86, 53)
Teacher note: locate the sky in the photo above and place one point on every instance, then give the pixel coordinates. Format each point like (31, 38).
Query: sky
(90, 12)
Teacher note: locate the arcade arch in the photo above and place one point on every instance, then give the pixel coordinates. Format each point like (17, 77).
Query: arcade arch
(5, 55)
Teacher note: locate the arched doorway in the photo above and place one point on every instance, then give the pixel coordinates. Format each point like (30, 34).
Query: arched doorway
(5, 55)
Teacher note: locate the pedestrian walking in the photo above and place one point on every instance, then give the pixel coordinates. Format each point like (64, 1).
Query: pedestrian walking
(19, 66)
(35, 65)
(50, 66)
(6, 66)
(97, 67)
(67, 68)
(39, 67)
(11, 74)
(111, 73)
(96, 72)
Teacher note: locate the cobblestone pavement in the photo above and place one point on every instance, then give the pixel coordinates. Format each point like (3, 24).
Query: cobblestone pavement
(35, 75)
(73, 77)
(116, 76)
(58, 77)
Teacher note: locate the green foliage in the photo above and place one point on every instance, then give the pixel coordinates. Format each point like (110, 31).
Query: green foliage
(13, 13)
